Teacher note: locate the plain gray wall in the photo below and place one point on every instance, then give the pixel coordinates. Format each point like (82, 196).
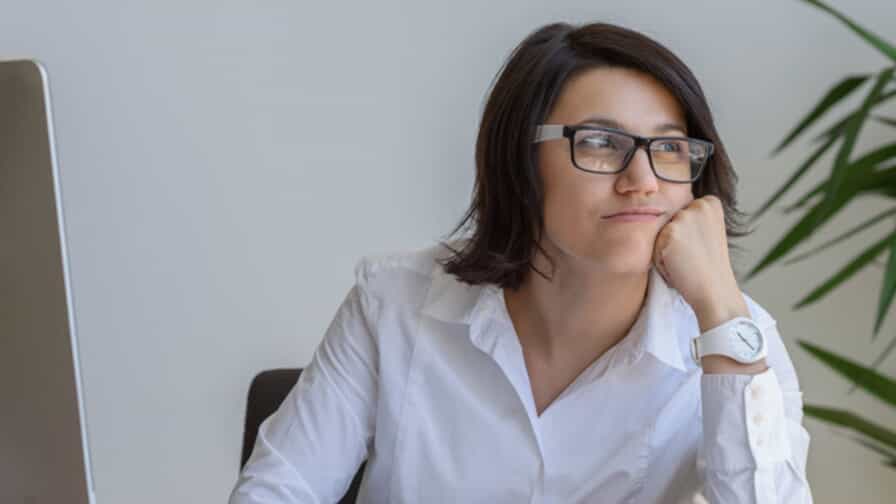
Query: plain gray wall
(225, 164)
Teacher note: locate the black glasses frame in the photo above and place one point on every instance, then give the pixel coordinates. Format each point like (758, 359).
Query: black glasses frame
(553, 131)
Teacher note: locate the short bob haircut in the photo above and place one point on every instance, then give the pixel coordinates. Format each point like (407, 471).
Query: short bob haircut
(506, 214)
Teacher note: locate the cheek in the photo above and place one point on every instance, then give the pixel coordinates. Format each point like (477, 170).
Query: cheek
(573, 195)
(678, 197)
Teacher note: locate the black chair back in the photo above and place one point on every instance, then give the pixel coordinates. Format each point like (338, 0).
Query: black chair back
(269, 389)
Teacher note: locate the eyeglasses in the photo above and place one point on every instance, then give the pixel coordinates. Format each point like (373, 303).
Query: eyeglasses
(598, 149)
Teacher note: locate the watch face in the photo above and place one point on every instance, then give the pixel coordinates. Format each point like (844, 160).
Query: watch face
(746, 340)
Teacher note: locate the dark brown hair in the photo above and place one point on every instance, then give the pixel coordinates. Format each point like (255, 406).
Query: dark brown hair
(506, 214)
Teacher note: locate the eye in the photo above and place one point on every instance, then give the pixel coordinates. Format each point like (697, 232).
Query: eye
(597, 141)
(670, 146)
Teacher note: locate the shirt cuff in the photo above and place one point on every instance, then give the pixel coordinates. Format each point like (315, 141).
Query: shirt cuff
(744, 426)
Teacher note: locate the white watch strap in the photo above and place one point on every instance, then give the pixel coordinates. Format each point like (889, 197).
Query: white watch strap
(716, 340)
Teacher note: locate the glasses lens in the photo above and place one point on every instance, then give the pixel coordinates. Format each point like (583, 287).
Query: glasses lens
(678, 159)
(605, 152)
(600, 151)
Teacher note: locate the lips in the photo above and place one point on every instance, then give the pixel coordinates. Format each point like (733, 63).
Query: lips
(653, 212)
(632, 217)
(630, 213)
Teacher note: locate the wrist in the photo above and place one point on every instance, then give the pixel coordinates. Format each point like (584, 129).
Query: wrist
(720, 364)
(719, 310)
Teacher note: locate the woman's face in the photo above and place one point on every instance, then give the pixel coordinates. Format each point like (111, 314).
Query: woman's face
(577, 201)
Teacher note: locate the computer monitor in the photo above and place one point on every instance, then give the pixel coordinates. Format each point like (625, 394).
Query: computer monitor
(44, 455)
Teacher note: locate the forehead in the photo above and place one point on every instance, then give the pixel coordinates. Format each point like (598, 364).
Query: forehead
(631, 98)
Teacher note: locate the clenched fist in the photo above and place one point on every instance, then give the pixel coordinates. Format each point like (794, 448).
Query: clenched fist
(691, 253)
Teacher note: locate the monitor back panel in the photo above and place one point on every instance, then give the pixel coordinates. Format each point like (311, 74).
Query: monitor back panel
(43, 448)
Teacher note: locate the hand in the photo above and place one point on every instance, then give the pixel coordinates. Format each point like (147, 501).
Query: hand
(691, 253)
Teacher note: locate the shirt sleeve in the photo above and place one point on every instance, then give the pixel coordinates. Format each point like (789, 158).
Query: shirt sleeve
(309, 450)
(754, 446)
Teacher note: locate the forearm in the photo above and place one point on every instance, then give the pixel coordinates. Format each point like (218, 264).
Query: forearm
(755, 453)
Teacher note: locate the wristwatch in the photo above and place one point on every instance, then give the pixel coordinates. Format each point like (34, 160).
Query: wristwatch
(739, 338)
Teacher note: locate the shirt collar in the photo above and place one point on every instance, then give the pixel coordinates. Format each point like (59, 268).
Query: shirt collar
(661, 328)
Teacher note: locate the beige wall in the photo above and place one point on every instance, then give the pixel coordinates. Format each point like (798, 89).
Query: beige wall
(215, 214)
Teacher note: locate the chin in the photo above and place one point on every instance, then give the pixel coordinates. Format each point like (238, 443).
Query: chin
(629, 263)
(620, 256)
(621, 265)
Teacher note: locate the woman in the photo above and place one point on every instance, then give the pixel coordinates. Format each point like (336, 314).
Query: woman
(547, 355)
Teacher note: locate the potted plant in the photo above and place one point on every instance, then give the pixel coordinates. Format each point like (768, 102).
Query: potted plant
(851, 177)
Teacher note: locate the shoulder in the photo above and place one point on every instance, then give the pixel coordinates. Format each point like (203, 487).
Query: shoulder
(404, 271)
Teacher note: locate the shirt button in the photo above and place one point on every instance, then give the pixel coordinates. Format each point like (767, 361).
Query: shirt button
(757, 418)
(756, 391)
(759, 441)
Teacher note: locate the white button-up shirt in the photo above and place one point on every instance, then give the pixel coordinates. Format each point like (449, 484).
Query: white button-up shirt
(423, 376)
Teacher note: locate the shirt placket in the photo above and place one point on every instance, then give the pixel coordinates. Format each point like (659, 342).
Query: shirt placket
(491, 337)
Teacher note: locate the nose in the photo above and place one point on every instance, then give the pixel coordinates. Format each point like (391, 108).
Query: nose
(637, 175)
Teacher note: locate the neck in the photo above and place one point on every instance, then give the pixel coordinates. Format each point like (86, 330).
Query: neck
(582, 311)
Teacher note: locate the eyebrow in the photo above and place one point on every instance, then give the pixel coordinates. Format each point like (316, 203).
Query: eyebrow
(612, 123)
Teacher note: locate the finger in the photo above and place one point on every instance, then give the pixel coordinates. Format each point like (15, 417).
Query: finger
(657, 257)
(658, 262)
(662, 269)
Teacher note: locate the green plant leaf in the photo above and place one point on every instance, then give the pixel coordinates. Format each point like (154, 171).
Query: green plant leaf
(875, 182)
(837, 128)
(871, 445)
(867, 163)
(889, 121)
(808, 224)
(847, 271)
(883, 355)
(879, 43)
(852, 421)
(840, 170)
(859, 168)
(803, 168)
(870, 222)
(889, 192)
(818, 215)
(838, 92)
(876, 384)
(829, 137)
(887, 289)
